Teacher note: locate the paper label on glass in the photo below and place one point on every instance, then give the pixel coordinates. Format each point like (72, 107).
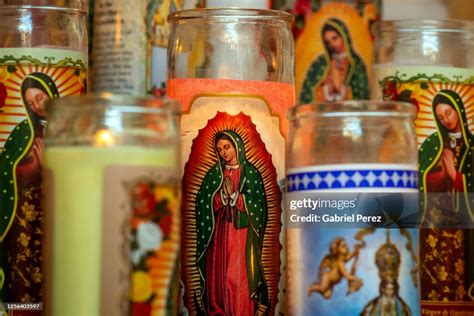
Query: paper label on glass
(443, 97)
(120, 47)
(28, 78)
(444, 123)
(365, 271)
(233, 136)
(140, 242)
(334, 53)
(138, 237)
(130, 40)
(370, 10)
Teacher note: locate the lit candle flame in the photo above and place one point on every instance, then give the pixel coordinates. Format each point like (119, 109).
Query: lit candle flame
(103, 138)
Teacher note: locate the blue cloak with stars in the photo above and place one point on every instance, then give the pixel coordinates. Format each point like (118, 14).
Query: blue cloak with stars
(255, 219)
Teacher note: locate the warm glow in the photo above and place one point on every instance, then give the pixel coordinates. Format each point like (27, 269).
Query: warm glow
(104, 138)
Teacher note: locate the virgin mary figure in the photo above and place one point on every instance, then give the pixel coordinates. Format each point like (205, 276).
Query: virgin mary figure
(231, 215)
(20, 163)
(22, 153)
(339, 73)
(446, 165)
(446, 155)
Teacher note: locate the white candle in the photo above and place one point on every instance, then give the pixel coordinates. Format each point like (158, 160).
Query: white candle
(77, 205)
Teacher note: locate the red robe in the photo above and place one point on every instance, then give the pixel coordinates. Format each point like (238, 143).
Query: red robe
(227, 288)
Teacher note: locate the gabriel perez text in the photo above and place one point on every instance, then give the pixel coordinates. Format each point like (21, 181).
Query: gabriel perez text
(327, 211)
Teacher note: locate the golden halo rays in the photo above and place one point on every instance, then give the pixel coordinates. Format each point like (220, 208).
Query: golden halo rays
(425, 121)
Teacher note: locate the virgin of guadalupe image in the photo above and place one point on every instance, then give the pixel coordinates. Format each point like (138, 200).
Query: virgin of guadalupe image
(231, 209)
(25, 142)
(21, 162)
(338, 74)
(446, 155)
(446, 166)
(36, 89)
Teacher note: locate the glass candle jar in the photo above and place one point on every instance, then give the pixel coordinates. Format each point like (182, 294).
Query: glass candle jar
(43, 55)
(431, 65)
(354, 157)
(111, 195)
(232, 71)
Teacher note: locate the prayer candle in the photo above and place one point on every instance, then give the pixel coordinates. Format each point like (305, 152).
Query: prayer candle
(430, 64)
(354, 252)
(112, 227)
(232, 71)
(43, 49)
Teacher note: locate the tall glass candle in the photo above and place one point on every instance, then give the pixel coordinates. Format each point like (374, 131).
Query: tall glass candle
(232, 70)
(112, 227)
(431, 65)
(352, 170)
(43, 55)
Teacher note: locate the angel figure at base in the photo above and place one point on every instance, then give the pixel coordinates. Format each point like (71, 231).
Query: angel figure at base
(332, 270)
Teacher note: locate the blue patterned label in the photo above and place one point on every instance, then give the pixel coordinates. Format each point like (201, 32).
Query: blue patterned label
(341, 259)
(353, 177)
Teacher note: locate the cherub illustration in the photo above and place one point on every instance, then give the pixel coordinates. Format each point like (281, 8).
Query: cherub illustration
(333, 269)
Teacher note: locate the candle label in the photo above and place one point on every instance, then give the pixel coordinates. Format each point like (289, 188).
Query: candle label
(140, 240)
(334, 53)
(130, 41)
(370, 10)
(444, 126)
(351, 271)
(28, 78)
(120, 46)
(233, 136)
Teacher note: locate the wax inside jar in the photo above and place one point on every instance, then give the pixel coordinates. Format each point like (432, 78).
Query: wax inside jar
(77, 177)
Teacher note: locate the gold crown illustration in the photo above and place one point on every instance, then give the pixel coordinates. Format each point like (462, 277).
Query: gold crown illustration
(388, 261)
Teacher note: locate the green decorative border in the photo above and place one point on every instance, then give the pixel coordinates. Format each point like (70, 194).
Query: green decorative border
(390, 85)
(421, 78)
(49, 61)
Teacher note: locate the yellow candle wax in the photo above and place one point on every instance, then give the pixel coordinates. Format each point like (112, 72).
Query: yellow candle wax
(76, 199)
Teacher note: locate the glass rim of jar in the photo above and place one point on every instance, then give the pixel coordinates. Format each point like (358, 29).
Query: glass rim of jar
(414, 26)
(121, 103)
(353, 108)
(73, 6)
(231, 13)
